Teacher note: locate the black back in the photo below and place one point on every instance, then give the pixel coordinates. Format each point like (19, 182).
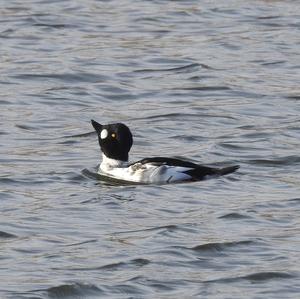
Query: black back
(197, 172)
(168, 161)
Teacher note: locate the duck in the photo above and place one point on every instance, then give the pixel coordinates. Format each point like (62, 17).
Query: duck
(115, 141)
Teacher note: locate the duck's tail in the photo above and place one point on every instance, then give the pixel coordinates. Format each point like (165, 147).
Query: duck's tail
(227, 170)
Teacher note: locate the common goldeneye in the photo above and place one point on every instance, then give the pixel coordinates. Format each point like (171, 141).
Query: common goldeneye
(115, 141)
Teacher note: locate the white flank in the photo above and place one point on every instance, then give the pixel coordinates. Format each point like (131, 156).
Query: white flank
(143, 173)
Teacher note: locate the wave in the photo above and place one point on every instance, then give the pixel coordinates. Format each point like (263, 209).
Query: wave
(255, 277)
(222, 246)
(234, 216)
(133, 263)
(74, 290)
(175, 69)
(286, 160)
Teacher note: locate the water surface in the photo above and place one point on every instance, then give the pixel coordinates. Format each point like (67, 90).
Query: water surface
(217, 83)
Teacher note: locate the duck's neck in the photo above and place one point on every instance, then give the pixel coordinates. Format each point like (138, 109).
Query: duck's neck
(108, 163)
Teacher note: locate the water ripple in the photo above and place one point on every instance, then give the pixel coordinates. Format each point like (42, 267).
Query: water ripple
(256, 277)
(185, 68)
(211, 82)
(220, 247)
(66, 77)
(117, 266)
(74, 290)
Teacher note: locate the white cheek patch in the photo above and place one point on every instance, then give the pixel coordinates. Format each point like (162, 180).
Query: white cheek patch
(103, 134)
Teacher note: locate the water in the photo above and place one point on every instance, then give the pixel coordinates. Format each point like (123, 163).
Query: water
(217, 83)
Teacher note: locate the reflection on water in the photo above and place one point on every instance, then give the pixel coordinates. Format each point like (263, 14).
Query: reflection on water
(215, 83)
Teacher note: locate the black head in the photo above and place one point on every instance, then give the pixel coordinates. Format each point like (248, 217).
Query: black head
(115, 140)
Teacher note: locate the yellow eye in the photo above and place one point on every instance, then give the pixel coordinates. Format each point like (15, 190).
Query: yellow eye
(113, 135)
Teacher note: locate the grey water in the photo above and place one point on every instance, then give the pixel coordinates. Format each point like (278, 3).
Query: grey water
(215, 82)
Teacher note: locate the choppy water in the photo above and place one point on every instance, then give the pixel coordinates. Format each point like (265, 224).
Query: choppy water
(218, 83)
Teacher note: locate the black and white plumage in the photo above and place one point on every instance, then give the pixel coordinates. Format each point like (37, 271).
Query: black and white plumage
(115, 141)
